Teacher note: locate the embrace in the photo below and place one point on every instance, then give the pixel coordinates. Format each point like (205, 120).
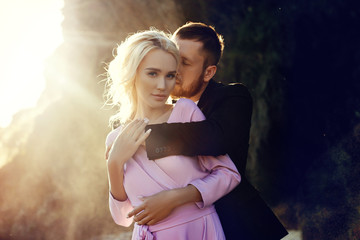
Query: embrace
(178, 169)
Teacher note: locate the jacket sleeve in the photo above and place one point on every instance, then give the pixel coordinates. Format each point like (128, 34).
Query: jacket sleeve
(226, 128)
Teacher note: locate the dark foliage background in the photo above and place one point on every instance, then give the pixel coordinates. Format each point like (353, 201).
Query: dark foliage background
(301, 61)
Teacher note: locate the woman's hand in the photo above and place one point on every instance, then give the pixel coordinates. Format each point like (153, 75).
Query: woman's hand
(154, 208)
(160, 205)
(128, 141)
(123, 148)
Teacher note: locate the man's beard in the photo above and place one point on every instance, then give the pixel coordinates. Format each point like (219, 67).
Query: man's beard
(191, 91)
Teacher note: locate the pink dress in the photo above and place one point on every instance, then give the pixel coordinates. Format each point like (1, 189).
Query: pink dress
(212, 176)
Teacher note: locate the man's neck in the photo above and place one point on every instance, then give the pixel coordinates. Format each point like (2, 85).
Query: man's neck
(197, 96)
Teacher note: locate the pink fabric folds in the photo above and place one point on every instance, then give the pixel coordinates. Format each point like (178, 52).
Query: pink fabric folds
(143, 233)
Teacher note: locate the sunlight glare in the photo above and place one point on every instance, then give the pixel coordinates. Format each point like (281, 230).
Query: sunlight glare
(31, 31)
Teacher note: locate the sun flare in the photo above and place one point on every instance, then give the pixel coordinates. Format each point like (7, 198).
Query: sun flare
(30, 32)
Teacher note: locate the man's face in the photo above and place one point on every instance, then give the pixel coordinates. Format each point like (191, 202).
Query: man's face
(190, 79)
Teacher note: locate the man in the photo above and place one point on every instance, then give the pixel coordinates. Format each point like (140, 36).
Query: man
(228, 109)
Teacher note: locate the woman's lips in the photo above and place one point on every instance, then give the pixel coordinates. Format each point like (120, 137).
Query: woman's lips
(159, 97)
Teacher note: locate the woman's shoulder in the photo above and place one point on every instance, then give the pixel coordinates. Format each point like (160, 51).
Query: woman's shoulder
(110, 138)
(185, 103)
(186, 110)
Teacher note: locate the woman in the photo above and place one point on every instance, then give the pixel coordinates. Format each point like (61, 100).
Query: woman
(141, 77)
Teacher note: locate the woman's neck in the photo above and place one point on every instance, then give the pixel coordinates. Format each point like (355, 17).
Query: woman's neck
(155, 116)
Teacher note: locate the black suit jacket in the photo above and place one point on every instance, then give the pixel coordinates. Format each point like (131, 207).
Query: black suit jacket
(228, 110)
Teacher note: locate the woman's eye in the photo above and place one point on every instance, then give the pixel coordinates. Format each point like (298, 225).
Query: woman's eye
(152, 74)
(171, 76)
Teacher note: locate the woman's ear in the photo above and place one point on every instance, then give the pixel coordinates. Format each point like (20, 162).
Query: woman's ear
(209, 73)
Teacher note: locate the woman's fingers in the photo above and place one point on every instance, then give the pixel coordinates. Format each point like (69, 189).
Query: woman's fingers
(135, 126)
(133, 134)
(131, 126)
(129, 130)
(140, 129)
(144, 221)
(135, 129)
(136, 210)
(151, 222)
(140, 216)
(143, 137)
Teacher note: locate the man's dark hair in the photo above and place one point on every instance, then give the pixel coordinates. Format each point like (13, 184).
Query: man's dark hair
(213, 43)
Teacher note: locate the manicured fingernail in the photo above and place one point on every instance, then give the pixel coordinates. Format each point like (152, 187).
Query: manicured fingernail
(146, 120)
(149, 130)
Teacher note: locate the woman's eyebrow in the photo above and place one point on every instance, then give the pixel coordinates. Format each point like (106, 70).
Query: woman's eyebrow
(158, 70)
(153, 69)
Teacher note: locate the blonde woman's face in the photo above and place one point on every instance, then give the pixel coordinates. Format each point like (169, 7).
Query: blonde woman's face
(155, 78)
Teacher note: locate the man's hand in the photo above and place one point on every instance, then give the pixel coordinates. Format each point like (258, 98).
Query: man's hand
(154, 208)
(158, 206)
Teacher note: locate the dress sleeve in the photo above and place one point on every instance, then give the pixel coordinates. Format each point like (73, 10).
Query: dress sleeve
(118, 209)
(223, 177)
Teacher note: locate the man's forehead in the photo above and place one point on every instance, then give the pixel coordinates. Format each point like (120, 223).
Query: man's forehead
(189, 42)
(189, 48)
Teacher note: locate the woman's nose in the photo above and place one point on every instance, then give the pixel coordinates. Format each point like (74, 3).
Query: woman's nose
(161, 83)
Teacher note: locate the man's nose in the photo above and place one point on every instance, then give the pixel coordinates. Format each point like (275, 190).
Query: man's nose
(179, 69)
(178, 76)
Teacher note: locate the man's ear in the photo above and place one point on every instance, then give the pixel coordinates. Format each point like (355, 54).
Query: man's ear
(209, 73)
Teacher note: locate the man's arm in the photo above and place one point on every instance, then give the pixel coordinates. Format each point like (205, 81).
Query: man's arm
(189, 139)
(226, 128)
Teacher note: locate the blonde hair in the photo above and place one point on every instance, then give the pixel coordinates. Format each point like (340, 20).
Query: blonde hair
(121, 72)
